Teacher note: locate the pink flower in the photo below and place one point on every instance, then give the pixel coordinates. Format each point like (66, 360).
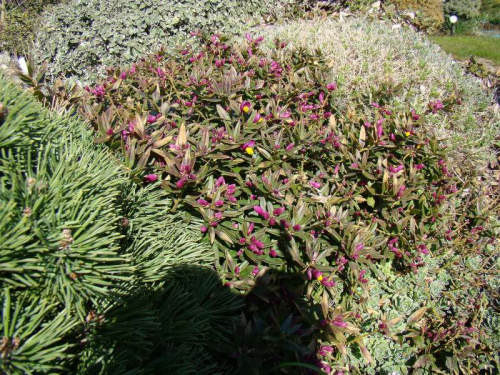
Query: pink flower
(339, 322)
(331, 86)
(414, 115)
(202, 202)
(290, 146)
(315, 184)
(180, 184)
(380, 129)
(251, 227)
(261, 212)
(296, 227)
(321, 97)
(151, 119)
(237, 270)
(419, 166)
(255, 271)
(273, 253)
(423, 249)
(151, 178)
(258, 118)
(109, 132)
(219, 203)
(285, 115)
(245, 107)
(203, 229)
(278, 211)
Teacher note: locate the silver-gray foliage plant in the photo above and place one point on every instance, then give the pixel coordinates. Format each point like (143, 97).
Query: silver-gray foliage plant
(84, 37)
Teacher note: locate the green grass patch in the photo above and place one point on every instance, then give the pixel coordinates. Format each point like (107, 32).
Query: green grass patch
(461, 47)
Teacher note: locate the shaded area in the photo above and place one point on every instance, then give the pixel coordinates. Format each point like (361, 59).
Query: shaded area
(194, 324)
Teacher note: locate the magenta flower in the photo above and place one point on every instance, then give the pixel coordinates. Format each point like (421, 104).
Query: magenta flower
(260, 211)
(245, 107)
(278, 211)
(203, 229)
(423, 249)
(397, 169)
(180, 184)
(290, 146)
(285, 115)
(255, 271)
(414, 115)
(219, 203)
(315, 184)
(419, 166)
(251, 227)
(151, 178)
(380, 129)
(339, 322)
(331, 86)
(109, 132)
(296, 227)
(257, 119)
(202, 202)
(273, 253)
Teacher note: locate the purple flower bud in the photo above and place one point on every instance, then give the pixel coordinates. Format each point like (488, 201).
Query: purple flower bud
(237, 270)
(251, 227)
(219, 203)
(203, 229)
(214, 224)
(331, 86)
(315, 184)
(218, 215)
(278, 211)
(290, 146)
(202, 202)
(151, 119)
(296, 227)
(273, 253)
(243, 240)
(419, 166)
(255, 271)
(151, 178)
(109, 132)
(180, 183)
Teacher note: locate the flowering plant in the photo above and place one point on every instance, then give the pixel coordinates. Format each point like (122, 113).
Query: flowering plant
(251, 143)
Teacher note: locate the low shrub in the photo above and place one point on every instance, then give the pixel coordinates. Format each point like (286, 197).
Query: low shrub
(81, 37)
(303, 201)
(463, 8)
(431, 8)
(368, 58)
(83, 276)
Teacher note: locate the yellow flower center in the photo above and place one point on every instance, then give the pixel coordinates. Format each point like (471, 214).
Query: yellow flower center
(407, 134)
(320, 277)
(418, 146)
(260, 120)
(246, 109)
(249, 150)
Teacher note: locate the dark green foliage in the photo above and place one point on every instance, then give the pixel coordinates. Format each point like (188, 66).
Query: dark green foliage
(462, 8)
(93, 270)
